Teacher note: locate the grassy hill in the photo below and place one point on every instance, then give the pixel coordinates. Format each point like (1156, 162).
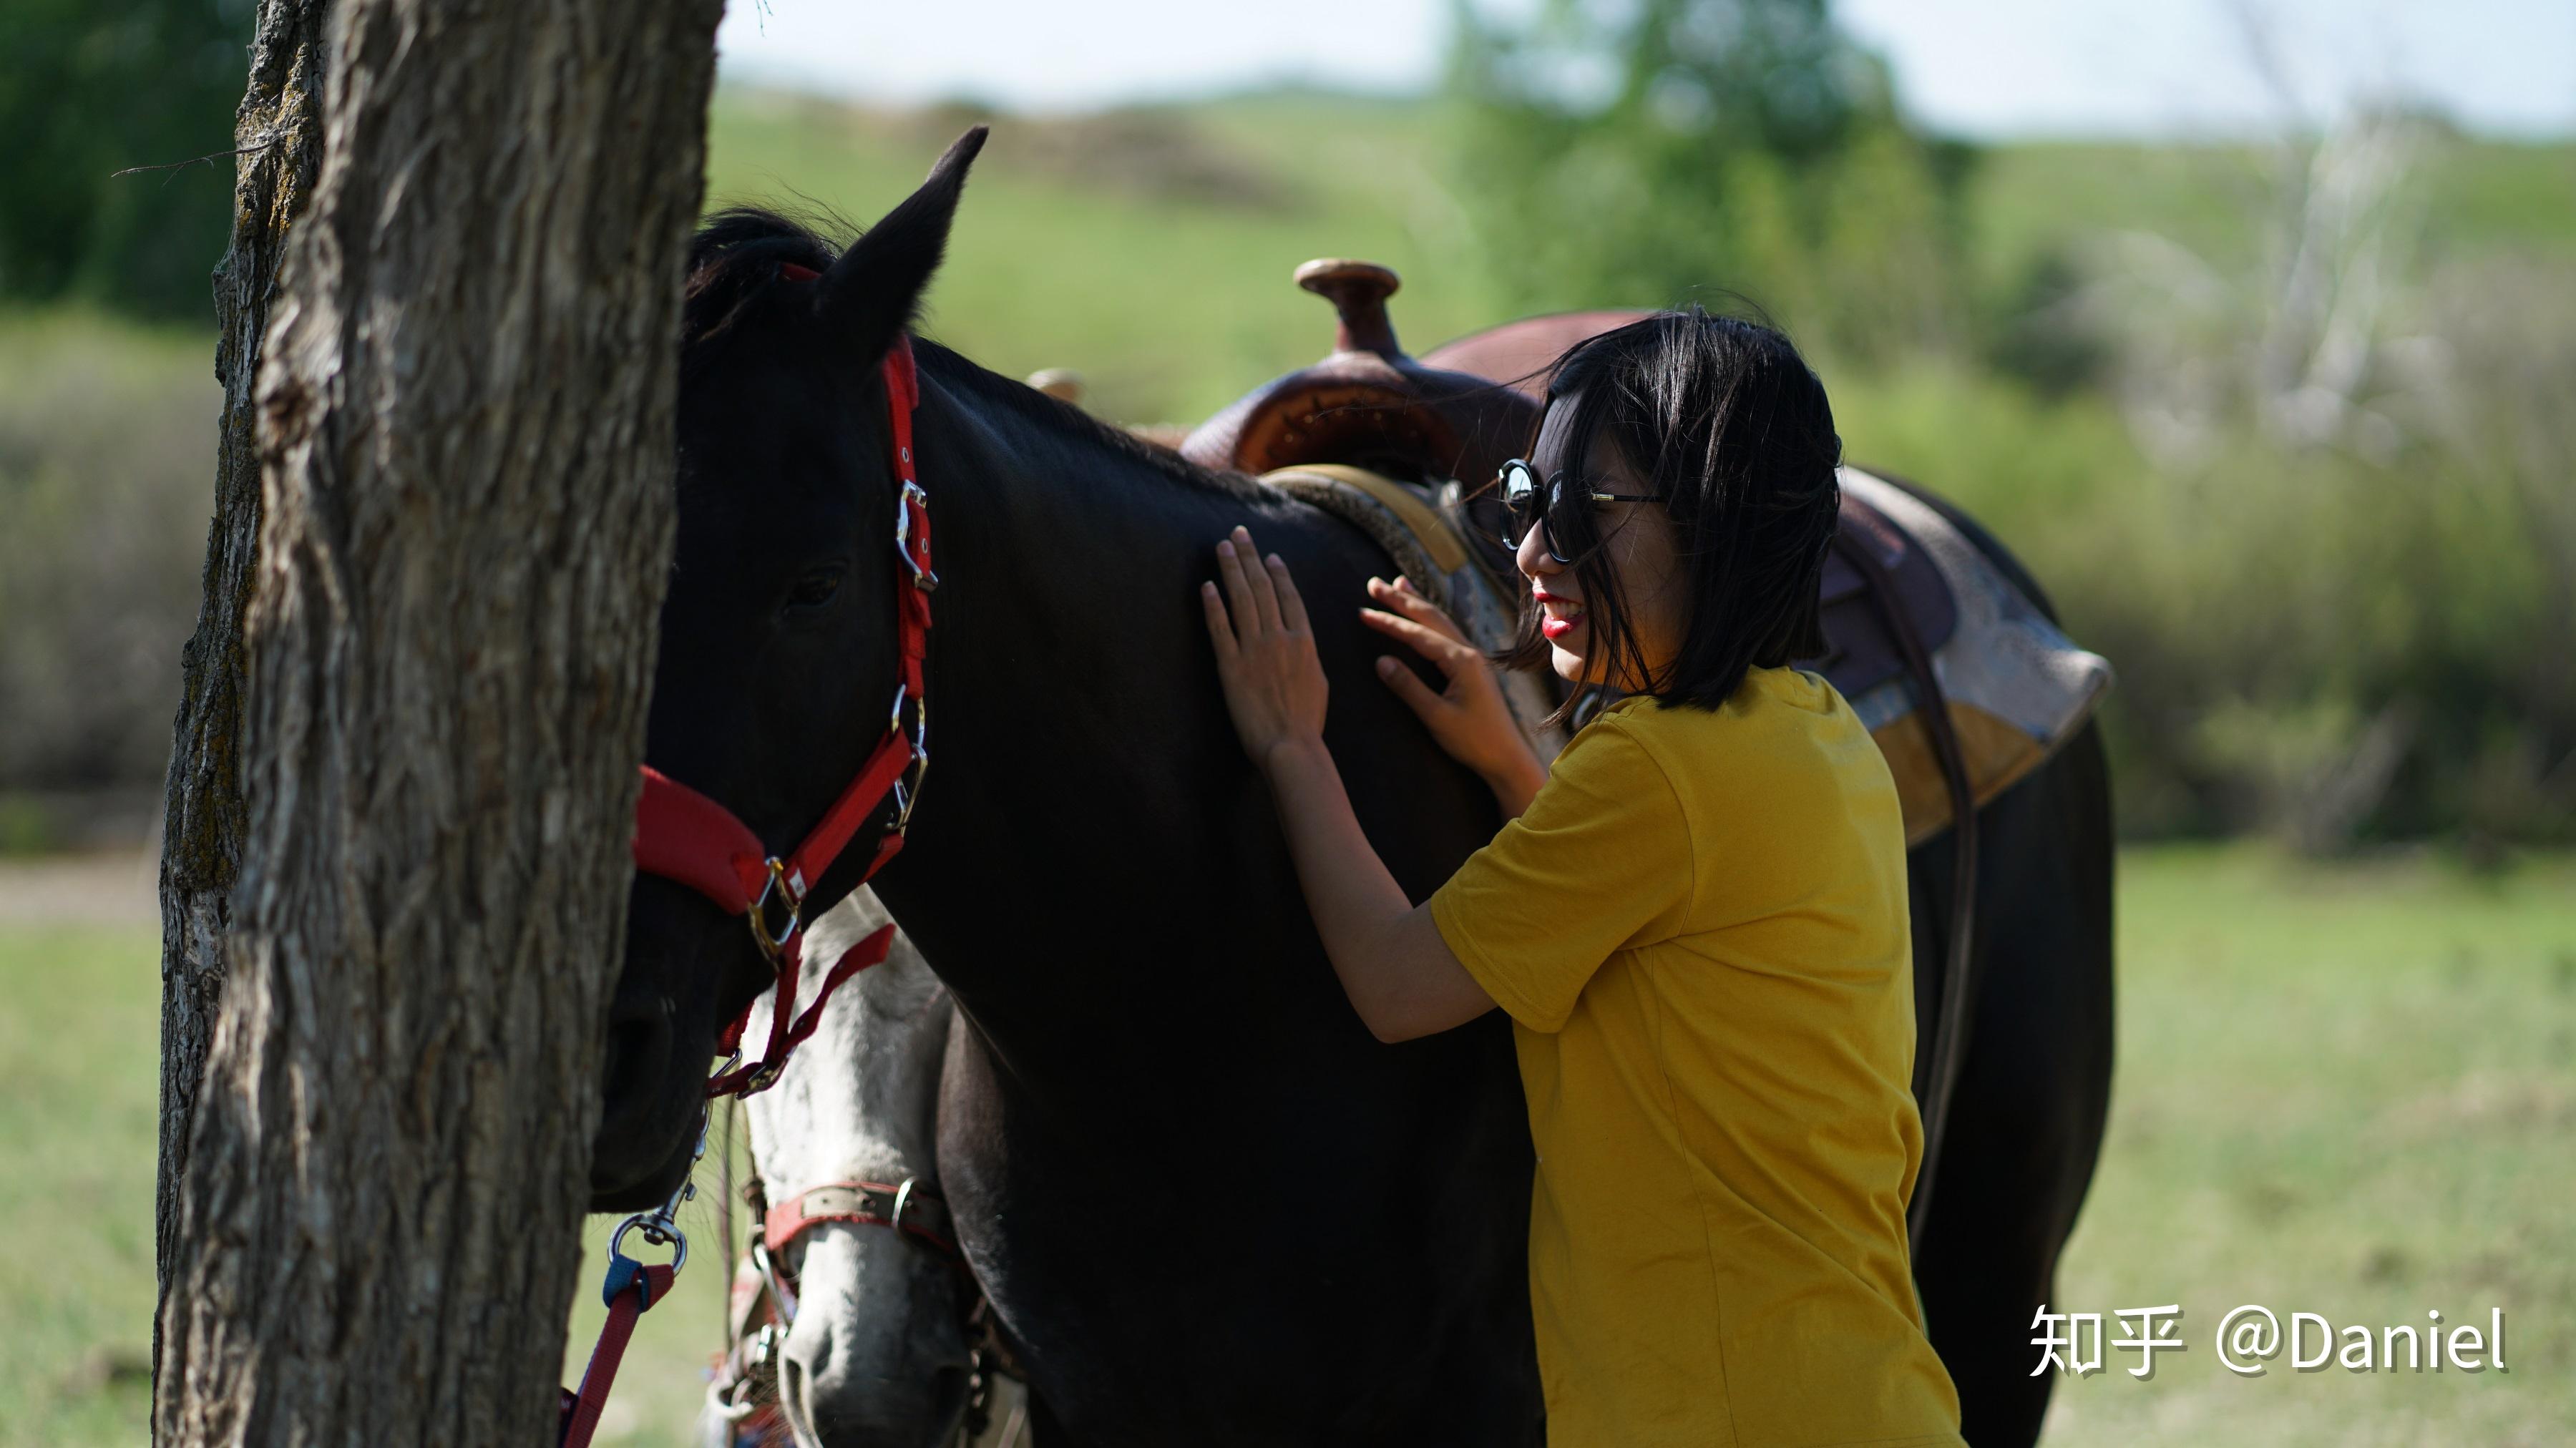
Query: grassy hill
(1150, 248)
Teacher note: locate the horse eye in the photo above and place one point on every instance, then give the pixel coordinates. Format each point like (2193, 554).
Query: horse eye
(815, 589)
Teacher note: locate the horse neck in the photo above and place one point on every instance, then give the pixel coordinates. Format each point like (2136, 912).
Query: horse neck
(1045, 480)
(861, 1098)
(1071, 559)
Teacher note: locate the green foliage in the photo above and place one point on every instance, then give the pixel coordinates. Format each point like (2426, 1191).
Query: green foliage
(93, 88)
(1658, 150)
(2278, 613)
(2308, 642)
(26, 827)
(106, 466)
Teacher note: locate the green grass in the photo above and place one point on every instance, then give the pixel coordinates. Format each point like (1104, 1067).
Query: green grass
(2341, 1089)
(2471, 198)
(2346, 1091)
(79, 1042)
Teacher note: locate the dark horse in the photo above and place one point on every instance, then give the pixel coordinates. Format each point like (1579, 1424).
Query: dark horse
(1206, 1204)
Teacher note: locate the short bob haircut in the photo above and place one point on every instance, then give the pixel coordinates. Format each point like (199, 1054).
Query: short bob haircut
(1724, 423)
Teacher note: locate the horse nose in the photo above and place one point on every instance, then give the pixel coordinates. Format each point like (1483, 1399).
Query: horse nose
(870, 1369)
(634, 1142)
(637, 1058)
(830, 1408)
(638, 1043)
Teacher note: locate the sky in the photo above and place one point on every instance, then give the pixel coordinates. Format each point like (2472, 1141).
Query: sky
(1986, 69)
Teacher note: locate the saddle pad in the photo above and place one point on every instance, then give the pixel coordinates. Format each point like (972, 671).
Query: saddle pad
(1428, 551)
(1860, 652)
(2017, 687)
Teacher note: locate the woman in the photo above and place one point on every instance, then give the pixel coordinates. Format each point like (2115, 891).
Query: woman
(1696, 918)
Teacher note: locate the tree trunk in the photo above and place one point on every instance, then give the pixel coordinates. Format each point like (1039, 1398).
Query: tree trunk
(465, 433)
(201, 835)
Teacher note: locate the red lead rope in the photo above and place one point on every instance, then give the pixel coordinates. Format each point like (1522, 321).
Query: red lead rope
(683, 835)
(631, 1289)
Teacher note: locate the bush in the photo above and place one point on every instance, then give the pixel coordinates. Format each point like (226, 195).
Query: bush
(2309, 643)
(106, 487)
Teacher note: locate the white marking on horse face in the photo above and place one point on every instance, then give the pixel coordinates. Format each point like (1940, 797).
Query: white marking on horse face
(861, 1098)
(881, 1317)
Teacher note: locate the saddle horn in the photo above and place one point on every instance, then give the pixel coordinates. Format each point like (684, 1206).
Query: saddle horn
(1367, 403)
(1358, 291)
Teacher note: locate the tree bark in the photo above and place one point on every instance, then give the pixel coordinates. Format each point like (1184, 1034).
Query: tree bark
(201, 833)
(464, 424)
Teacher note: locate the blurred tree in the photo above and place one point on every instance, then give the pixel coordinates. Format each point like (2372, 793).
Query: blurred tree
(91, 89)
(1637, 152)
(2044, 334)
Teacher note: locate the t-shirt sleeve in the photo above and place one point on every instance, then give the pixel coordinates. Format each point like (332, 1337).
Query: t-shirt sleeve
(1599, 862)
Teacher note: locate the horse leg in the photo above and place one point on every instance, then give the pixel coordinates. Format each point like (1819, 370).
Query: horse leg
(2026, 1121)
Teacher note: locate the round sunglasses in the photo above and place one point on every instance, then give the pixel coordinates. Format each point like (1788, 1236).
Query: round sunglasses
(1562, 512)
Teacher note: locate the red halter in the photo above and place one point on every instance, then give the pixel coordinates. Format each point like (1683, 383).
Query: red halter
(683, 835)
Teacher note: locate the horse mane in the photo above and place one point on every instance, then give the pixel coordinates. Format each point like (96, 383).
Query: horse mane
(734, 284)
(1071, 423)
(735, 291)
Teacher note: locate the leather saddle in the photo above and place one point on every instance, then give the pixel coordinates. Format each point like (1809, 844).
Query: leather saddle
(1469, 405)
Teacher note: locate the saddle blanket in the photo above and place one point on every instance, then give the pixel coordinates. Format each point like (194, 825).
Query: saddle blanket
(2017, 687)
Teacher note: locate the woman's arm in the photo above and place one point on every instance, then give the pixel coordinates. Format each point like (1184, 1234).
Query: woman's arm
(1398, 972)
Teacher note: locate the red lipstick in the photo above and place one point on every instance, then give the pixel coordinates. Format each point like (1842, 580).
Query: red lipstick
(1557, 625)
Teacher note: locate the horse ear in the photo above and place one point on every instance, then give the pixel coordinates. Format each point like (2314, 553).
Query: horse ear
(870, 294)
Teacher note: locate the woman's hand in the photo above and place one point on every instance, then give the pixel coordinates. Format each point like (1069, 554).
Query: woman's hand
(1265, 652)
(1388, 952)
(1469, 717)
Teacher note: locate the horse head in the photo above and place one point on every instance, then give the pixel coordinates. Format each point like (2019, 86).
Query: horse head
(877, 1350)
(779, 648)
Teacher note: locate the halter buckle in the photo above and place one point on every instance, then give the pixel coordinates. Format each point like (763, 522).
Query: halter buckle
(912, 496)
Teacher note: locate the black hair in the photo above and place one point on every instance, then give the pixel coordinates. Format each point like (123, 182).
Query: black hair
(1727, 425)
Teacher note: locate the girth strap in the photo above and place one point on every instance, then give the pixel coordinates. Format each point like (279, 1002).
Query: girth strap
(1948, 1044)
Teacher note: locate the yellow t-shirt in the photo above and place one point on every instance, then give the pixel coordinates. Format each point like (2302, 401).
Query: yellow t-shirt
(1699, 929)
